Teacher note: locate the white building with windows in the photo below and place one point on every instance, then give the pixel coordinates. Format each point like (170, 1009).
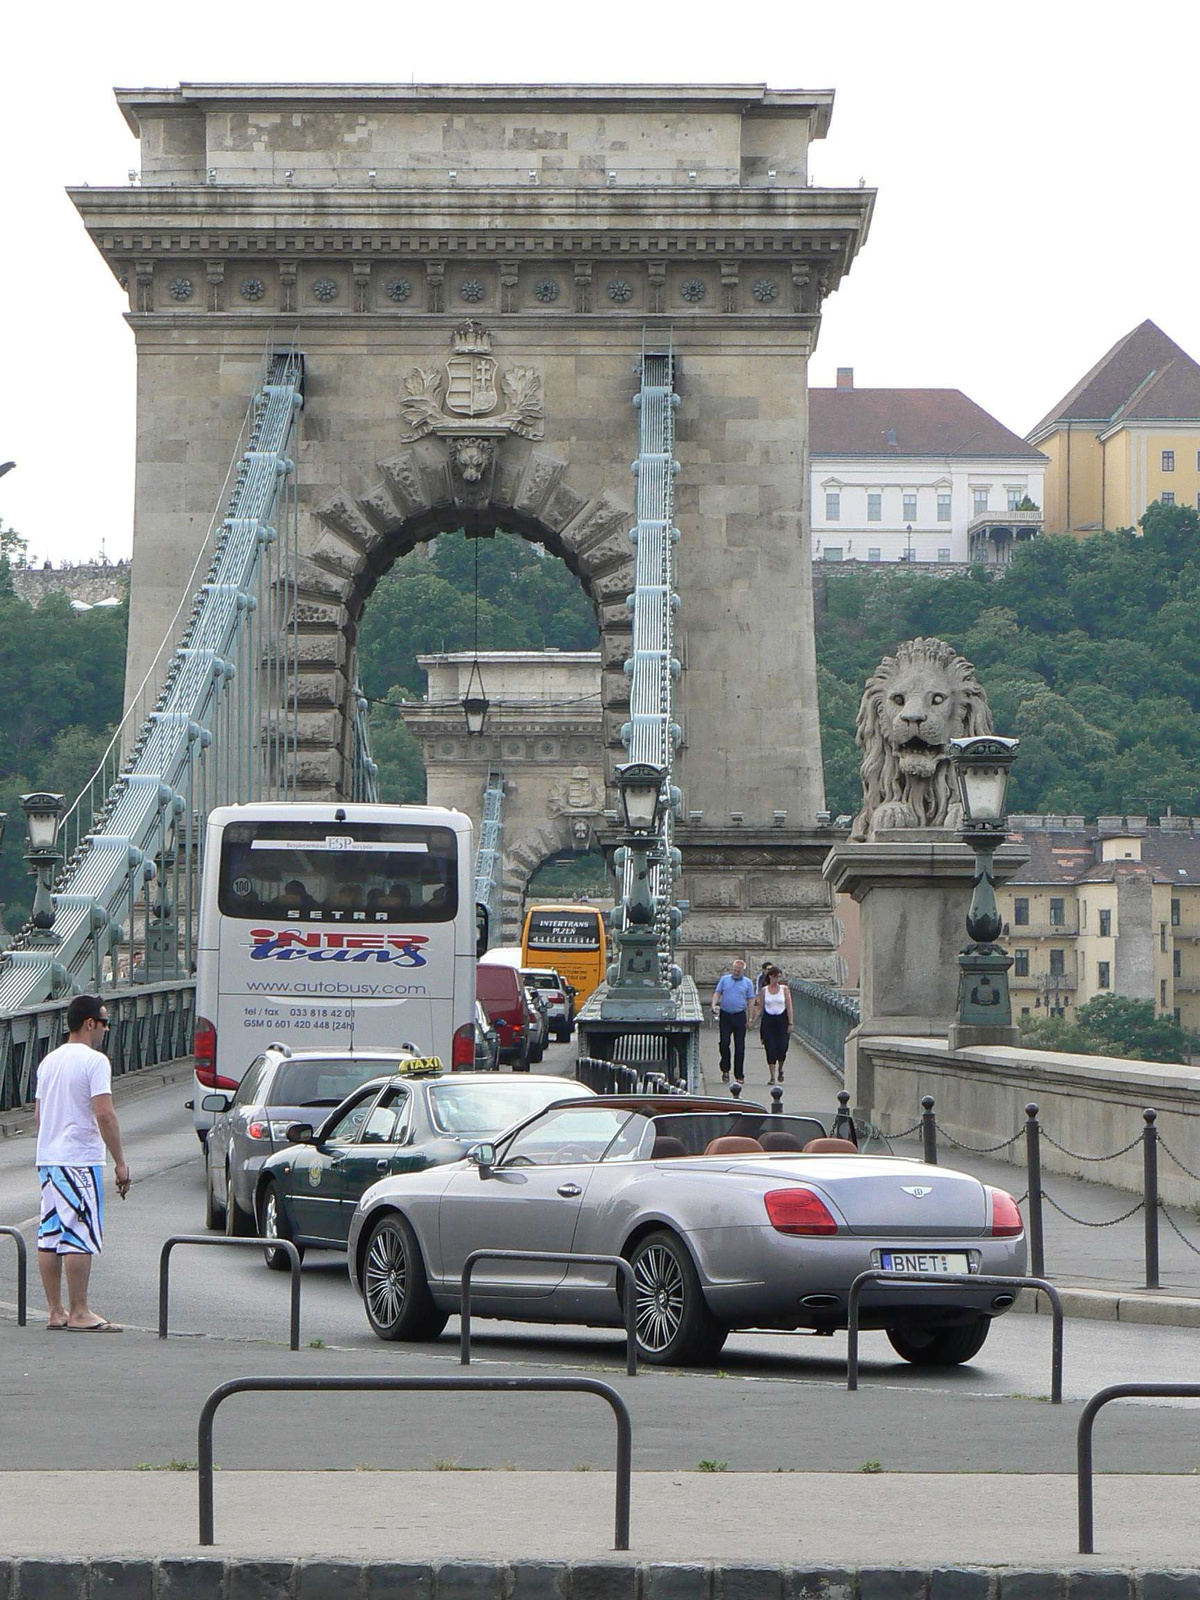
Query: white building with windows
(917, 475)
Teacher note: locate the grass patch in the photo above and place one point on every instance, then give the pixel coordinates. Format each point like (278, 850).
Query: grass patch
(712, 1466)
(870, 1466)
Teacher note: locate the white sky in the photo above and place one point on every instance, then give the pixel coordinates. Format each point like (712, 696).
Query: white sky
(1036, 166)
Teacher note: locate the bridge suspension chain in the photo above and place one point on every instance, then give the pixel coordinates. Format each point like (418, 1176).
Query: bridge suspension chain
(652, 734)
(214, 722)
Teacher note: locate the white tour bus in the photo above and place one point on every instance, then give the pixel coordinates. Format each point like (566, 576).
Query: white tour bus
(334, 926)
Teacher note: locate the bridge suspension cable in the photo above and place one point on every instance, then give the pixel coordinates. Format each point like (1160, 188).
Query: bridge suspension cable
(214, 722)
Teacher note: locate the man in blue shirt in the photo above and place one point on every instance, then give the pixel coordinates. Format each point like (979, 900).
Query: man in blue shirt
(730, 1000)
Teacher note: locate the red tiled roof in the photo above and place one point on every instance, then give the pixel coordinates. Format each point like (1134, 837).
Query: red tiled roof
(925, 422)
(1071, 856)
(1145, 372)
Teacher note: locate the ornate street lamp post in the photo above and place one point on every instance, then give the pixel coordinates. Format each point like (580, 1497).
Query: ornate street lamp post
(475, 702)
(981, 769)
(42, 812)
(637, 982)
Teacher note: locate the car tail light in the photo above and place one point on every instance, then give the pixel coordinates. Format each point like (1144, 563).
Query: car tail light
(798, 1210)
(462, 1053)
(1007, 1221)
(558, 999)
(267, 1130)
(204, 1049)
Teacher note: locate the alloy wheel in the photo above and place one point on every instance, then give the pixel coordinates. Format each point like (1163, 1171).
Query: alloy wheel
(385, 1274)
(271, 1216)
(659, 1297)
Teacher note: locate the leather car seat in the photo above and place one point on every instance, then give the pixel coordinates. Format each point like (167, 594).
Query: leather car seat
(830, 1147)
(667, 1148)
(733, 1144)
(782, 1141)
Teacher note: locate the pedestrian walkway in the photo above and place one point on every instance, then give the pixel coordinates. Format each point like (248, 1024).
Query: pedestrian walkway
(1104, 1260)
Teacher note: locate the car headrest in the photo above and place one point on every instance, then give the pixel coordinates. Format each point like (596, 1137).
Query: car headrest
(733, 1144)
(830, 1147)
(666, 1148)
(781, 1141)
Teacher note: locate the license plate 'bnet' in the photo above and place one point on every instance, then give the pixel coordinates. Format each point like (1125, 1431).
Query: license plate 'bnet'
(940, 1263)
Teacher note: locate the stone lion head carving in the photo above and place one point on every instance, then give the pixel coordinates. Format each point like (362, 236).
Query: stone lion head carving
(914, 703)
(472, 458)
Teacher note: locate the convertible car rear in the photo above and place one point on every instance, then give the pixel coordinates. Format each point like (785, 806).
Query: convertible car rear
(730, 1217)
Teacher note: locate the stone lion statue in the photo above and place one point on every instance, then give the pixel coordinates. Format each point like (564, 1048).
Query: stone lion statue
(914, 703)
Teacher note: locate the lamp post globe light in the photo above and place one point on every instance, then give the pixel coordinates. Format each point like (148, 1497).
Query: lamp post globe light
(42, 812)
(981, 771)
(640, 795)
(475, 702)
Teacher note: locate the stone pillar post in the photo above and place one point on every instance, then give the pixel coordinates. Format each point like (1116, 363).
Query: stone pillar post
(913, 886)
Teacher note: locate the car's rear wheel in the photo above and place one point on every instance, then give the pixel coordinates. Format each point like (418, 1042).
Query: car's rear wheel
(674, 1325)
(395, 1289)
(239, 1224)
(214, 1215)
(275, 1225)
(940, 1347)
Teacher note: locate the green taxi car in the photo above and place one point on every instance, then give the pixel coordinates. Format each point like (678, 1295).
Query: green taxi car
(418, 1117)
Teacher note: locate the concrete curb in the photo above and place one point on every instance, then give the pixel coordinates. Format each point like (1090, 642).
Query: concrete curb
(1114, 1305)
(238, 1578)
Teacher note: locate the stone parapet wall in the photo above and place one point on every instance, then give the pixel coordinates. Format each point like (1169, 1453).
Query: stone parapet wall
(89, 581)
(1091, 1104)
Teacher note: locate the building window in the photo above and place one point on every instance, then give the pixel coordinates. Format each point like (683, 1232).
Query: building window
(874, 553)
(874, 506)
(1083, 913)
(1167, 497)
(1103, 975)
(943, 508)
(1058, 914)
(1177, 1016)
(1021, 963)
(1021, 913)
(1176, 911)
(833, 507)
(910, 508)
(1162, 993)
(979, 499)
(831, 552)
(943, 554)
(1168, 461)
(1162, 937)
(1177, 963)
(1015, 496)
(1106, 924)
(1058, 966)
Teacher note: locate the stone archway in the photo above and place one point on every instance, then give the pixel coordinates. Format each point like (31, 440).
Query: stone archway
(424, 490)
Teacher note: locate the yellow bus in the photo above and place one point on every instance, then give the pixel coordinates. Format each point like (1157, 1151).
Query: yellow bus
(572, 940)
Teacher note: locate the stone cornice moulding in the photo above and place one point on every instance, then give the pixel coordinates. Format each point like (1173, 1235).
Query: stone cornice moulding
(772, 324)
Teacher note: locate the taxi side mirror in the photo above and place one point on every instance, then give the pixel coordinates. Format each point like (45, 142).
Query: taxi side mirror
(483, 1156)
(301, 1133)
(215, 1102)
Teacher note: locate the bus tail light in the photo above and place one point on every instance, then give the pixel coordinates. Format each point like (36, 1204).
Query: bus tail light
(462, 1057)
(204, 1048)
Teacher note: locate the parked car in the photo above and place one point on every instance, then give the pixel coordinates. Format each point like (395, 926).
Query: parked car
(408, 1122)
(487, 1042)
(729, 1217)
(538, 1023)
(558, 996)
(500, 990)
(280, 1086)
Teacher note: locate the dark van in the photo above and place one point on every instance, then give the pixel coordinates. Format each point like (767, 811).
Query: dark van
(503, 998)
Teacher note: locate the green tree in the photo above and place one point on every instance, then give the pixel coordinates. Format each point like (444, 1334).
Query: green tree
(1113, 1025)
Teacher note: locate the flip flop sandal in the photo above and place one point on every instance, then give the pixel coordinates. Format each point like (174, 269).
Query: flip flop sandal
(56, 1327)
(98, 1327)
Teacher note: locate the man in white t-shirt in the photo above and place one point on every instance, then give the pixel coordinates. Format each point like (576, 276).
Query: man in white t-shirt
(75, 1121)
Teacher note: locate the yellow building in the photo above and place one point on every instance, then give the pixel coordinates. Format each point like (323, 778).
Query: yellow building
(1126, 435)
(1110, 907)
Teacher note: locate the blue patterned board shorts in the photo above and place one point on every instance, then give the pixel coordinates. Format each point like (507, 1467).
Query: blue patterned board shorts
(72, 1210)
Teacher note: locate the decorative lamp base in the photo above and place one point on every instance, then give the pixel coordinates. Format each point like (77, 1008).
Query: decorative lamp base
(984, 1008)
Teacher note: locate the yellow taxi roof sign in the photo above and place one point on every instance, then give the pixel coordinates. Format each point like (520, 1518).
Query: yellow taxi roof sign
(420, 1066)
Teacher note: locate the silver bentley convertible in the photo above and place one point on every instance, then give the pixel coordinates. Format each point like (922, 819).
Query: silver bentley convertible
(731, 1217)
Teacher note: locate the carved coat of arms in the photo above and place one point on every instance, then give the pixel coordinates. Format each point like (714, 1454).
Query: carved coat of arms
(470, 391)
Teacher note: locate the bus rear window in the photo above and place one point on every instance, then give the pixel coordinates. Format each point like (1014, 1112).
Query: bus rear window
(563, 930)
(363, 872)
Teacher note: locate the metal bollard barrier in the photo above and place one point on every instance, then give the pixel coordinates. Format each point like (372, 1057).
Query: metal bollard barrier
(1033, 1165)
(1083, 1442)
(22, 1273)
(164, 1273)
(1150, 1191)
(843, 1122)
(619, 1264)
(928, 1131)
(204, 1453)
(776, 1100)
(973, 1280)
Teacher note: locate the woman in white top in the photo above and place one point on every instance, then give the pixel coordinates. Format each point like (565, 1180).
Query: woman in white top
(773, 1004)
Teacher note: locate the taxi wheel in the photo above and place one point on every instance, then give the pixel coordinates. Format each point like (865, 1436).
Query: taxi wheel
(674, 1325)
(214, 1215)
(395, 1289)
(275, 1225)
(940, 1347)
